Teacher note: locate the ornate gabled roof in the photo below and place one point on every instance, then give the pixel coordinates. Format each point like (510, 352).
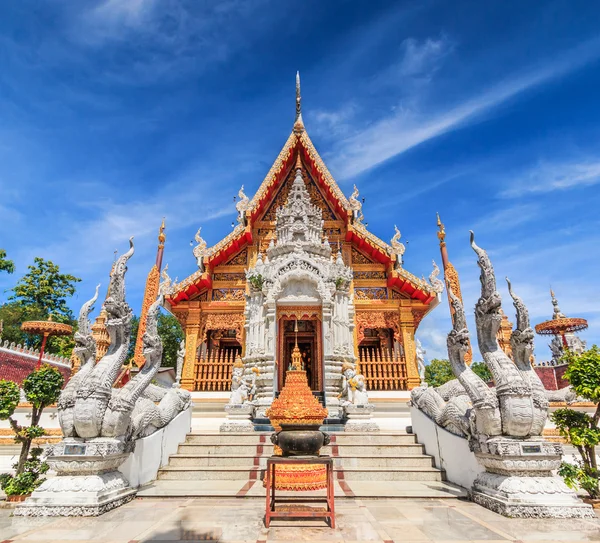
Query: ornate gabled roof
(300, 147)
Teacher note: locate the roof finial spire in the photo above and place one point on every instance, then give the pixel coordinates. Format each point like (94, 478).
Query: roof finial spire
(557, 312)
(441, 230)
(298, 123)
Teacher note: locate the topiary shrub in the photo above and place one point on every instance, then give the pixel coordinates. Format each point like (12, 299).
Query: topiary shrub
(42, 388)
(581, 429)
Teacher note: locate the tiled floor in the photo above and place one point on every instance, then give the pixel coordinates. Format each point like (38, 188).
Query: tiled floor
(234, 520)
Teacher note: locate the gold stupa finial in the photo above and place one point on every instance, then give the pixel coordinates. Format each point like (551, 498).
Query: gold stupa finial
(161, 234)
(298, 161)
(441, 229)
(298, 123)
(296, 358)
(238, 362)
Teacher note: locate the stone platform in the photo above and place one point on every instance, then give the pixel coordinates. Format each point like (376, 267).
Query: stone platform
(230, 520)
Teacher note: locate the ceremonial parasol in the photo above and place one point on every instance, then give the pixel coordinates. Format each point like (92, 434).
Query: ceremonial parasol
(45, 329)
(559, 324)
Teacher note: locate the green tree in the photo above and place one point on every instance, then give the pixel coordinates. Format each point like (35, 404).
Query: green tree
(438, 372)
(12, 316)
(581, 429)
(42, 292)
(135, 325)
(171, 334)
(44, 287)
(6, 264)
(481, 369)
(42, 388)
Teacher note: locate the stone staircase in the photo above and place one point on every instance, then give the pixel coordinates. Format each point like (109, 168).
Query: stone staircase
(233, 464)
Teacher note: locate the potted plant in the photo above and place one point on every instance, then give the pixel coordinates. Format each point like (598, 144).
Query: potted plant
(581, 429)
(256, 280)
(42, 388)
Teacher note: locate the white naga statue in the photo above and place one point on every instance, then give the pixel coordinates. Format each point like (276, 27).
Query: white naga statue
(503, 424)
(356, 206)
(517, 406)
(398, 248)
(242, 206)
(437, 284)
(101, 424)
(354, 388)
(88, 406)
(200, 250)
(242, 391)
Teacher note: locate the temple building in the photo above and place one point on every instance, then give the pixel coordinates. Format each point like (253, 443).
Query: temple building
(301, 264)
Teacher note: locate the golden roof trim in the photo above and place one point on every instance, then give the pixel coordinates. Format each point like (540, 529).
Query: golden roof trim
(322, 169)
(372, 238)
(415, 281)
(273, 172)
(239, 229)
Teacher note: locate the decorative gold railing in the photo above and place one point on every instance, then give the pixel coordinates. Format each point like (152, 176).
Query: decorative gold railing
(382, 370)
(213, 370)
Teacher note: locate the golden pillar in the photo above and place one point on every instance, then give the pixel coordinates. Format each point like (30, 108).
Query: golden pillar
(407, 329)
(192, 332)
(150, 295)
(504, 334)
(451, 278)
(100, 334)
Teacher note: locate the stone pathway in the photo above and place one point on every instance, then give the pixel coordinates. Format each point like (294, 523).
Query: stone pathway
(235, 520)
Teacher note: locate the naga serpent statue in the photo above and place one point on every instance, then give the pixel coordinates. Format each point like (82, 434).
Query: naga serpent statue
(85, 350)
(89, 407)
(517, 406)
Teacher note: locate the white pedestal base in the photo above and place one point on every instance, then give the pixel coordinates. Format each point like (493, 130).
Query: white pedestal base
(529, 497)
(359, 418)
(238, 418)
(88, 483)
(518, 481)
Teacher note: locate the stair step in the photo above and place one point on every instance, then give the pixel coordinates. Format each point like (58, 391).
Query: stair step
(383, 489)
(200, 460)
(267, 449)
(256, 473)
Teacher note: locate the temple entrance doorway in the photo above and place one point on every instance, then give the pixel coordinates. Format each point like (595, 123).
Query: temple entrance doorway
(307, 333)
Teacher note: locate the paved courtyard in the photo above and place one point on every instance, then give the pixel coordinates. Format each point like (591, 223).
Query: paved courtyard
(234, 520)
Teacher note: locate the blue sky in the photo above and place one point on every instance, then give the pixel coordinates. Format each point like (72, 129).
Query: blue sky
(114, 114)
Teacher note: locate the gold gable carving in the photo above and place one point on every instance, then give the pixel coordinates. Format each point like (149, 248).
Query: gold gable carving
(240, 259)
(222, 321)
(315, 196)
(359, 258)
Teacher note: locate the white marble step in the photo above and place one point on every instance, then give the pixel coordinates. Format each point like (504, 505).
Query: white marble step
(256, 473)
(369, 461)
(267, 449)
(354, 489)
(340, 438)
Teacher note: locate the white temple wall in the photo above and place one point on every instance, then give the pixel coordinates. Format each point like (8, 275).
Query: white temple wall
(152, 452)
(450, 452)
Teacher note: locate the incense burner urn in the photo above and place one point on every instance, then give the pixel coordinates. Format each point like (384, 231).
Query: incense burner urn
(300, 439)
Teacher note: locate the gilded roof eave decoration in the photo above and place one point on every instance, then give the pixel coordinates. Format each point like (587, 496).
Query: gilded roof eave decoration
(273, 174)
(235, 233)
(372, 238)
(182, 286)
(323, 171)
(415, 281)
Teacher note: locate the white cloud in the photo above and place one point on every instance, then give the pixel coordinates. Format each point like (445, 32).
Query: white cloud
(422, 58)
(433, 332)
(407, 127)
(548, 176)
(128, 11)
